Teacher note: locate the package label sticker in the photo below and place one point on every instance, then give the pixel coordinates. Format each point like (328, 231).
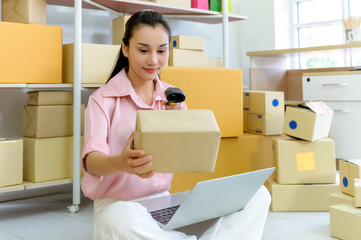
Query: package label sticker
(319, 107)
(275, 102)
(305, 161)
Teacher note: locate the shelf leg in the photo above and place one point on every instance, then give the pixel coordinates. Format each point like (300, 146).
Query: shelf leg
(225, 33)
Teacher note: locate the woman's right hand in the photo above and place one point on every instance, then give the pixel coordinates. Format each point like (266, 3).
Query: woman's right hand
(134, 161)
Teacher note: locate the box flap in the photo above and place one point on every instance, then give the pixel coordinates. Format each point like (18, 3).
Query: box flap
(320, 108)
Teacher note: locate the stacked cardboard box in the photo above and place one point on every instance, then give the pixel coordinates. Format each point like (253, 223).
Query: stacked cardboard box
(48, 141)
(305, 161)
(11, 162)
(345, 208)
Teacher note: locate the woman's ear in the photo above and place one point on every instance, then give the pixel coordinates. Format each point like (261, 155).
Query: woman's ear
(125, 50)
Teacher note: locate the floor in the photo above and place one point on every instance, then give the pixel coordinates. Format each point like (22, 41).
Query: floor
(47, 217)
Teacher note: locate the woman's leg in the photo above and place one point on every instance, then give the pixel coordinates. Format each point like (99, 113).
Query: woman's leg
(123, 220)
(247, 224)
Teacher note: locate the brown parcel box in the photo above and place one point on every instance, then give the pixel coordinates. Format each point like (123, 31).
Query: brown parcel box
(118, 29)
(179, 141)
(217, 89)
(345, 221)
(357, 192)
(310, 122)
(11, 161)
(300, 197)
(48, 159)
(349, 170)
(263, 112)
(97, 62)
(50, 121)
(299, 161)
(187, 42)
(24, 11)
(30, 53)
(187, 58)
(340, 197)
(50, 98)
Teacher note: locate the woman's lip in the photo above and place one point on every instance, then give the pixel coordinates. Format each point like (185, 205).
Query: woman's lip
(151, 70)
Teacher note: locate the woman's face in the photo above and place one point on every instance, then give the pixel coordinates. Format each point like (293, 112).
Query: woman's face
(148, 52)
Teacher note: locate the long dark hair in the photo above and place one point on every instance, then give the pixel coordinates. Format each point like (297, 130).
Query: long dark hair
(146, 17)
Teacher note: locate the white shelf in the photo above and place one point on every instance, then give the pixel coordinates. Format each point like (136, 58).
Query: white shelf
(169, 11)
(31, 185)
(49, 86)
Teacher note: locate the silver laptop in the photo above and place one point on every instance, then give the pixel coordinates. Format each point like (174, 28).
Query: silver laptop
(207, 200)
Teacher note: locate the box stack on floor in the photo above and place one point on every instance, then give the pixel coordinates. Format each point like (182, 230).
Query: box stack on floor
(48, 141)
(345, 207)
(305, 161)
(27, 46)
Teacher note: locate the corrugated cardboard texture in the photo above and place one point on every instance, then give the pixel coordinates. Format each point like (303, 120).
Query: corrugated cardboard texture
(179, 141)
(50, 121)
(217, 89)
(187, 58)
(118, 29)
(98, 61)
(349, 170)
(300, 198)
(339, 197)
(24, 11)
(188, 42)
(11, 162)
(299, 161)
(30, 53)
(345, 221)
(50, 98)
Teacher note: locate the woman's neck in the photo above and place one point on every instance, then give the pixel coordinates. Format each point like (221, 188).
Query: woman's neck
(144, 90)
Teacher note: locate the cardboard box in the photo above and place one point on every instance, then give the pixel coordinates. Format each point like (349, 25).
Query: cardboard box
(299, 161)
(310, 122)
(357, 192)
(11, 162)
(236, 155)
(349, 170)
(187, 42)
(98, 61)
(24, 11)
(217, 89)
(300, 198)
(345, 221)
(50, 121)
(48, 159)
(118, 29)
(30, 53)
(200, 4)
(179, 141)
(339, 197)
(215, 62)
(263, 112)
(50, 98)
(179, 3)
(187, 58)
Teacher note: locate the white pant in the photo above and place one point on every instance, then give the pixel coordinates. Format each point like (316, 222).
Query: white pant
(127, 220)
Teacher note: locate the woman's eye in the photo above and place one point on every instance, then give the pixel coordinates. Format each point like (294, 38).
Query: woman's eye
(162, 51)
(143, 50)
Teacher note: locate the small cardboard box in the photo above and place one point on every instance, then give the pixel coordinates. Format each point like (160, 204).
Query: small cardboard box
(179, 141)
(11, 162)
(30, 53)
(310, 122)
(188, 42)
(50, 121)
(24, 11)
(349, 170)
(357, 192)
(50, 98)
(118, 29)
(187, 58)
(98, 61)
(299, 161)
(236, 155)
(205, 88)
(345, 221)
(215, 62)
(48, 159)
(340, 197)
(300, 198)
(263, 112)
(200, 4)
(179, 3)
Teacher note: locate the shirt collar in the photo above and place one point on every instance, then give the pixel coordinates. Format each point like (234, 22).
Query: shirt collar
(120, 86)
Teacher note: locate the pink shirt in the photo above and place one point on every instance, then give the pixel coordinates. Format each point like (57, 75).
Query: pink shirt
(110, 118)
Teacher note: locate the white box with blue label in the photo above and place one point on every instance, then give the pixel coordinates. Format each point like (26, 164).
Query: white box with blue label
(263, 112)
(349, 170)
(302, 162)
(310, 121)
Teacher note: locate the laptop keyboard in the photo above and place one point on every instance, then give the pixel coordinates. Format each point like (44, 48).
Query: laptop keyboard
(164, 215)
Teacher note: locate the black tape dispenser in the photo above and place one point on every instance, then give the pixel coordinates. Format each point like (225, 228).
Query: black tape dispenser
(174, 95)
